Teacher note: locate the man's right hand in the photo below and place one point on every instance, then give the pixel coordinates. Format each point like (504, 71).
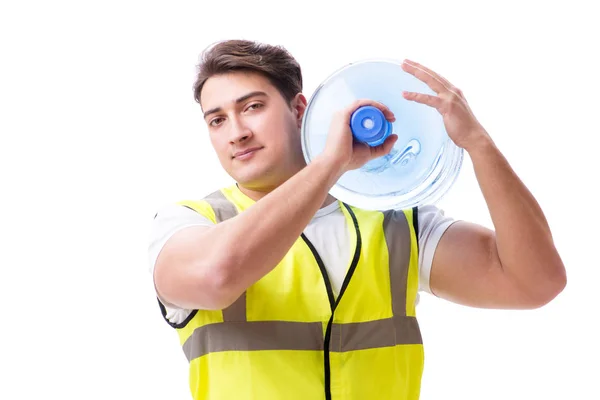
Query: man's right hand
(341, 147)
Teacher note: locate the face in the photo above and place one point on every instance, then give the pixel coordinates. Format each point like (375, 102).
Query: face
(253, 129)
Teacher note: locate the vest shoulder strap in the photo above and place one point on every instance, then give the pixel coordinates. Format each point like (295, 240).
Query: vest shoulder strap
(219, 207)
(223, 208)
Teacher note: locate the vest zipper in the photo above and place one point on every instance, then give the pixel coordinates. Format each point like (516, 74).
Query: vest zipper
(333, 303)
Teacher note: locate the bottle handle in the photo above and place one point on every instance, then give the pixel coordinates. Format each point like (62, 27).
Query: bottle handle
(410, 152)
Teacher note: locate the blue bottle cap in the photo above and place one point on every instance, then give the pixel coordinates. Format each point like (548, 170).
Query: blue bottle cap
(368, 125)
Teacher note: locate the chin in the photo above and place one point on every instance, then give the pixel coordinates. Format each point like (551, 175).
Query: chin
(251, 176)
(264, 179)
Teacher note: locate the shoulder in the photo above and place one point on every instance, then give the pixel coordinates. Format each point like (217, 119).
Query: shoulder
(172, 217)
(173, 210)
(429, 223)
(179, 212)
(190, 208)
(432, 220)
(168, 220)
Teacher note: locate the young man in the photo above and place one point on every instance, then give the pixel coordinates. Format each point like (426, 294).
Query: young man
(279, 291)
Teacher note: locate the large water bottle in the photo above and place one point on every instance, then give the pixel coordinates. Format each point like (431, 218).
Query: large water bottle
(424, 162)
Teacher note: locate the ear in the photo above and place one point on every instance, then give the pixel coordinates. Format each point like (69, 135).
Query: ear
(298, 106)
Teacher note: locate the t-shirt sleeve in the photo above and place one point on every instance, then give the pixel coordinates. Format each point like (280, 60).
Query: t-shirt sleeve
(169, 220)
(432, 224)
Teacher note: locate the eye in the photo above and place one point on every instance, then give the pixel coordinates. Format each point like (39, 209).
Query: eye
(254, 106)
(216, 121)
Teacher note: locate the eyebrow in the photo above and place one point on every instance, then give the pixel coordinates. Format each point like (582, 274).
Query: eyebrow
(237, 101)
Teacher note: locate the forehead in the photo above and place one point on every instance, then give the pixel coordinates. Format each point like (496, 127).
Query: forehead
(222, 90)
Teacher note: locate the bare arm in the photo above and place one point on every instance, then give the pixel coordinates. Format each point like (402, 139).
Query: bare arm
(210, 267)
(516, 265)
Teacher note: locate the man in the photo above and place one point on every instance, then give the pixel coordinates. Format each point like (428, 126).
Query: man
(279, 291)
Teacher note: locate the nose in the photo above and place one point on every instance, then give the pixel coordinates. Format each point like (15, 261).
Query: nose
(239, 132)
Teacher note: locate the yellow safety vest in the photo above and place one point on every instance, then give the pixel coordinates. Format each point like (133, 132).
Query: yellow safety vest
(287, 337)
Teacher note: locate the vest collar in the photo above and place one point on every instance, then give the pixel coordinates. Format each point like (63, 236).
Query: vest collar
(237, 197)
(242, 201)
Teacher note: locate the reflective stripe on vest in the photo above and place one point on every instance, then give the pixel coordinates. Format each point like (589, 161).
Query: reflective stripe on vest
(285, 335)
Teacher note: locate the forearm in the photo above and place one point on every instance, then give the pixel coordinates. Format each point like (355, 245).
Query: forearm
(252, 244)
(524, 243)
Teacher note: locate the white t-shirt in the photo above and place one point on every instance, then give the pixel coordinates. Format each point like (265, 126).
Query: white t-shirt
(327, 231)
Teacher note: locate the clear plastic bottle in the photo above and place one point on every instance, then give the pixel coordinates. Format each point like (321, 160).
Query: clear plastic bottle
(424, 163)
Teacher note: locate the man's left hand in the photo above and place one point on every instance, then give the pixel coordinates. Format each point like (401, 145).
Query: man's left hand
(460, 122)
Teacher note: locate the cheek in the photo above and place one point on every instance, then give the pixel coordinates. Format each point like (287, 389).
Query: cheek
(279, 130)
(221, 148)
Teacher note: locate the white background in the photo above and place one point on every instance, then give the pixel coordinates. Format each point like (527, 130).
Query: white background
(99, 128)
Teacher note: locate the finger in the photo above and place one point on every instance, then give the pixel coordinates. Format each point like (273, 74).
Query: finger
(433, 101)
(385, 147)
(389, 115)
(430, 72)
(437, 83)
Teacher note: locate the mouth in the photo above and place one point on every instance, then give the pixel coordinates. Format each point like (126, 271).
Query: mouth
(243, 154)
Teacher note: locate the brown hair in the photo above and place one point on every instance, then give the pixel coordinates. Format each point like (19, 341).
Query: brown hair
(273, 62)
